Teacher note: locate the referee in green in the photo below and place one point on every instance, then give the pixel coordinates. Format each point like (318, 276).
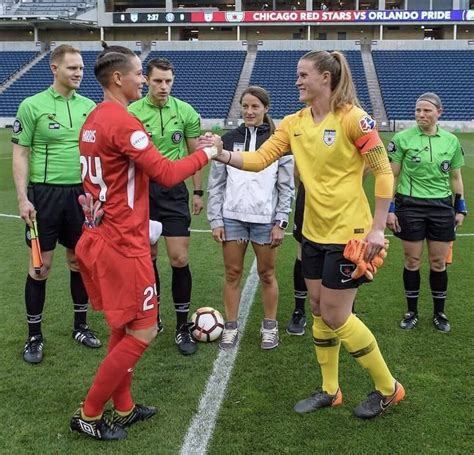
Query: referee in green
(426, 161)
(174, 127)
(47, 175)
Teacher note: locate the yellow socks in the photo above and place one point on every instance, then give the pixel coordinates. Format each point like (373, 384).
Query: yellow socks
(124, 413)
(361, 344)
(326, 345)
(84, 417)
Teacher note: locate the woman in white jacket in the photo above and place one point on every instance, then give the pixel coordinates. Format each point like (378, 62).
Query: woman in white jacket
(251, 207)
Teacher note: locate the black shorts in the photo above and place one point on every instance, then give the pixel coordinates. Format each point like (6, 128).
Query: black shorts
(58, 213)
(170, 206)
(327, 263)
(419, 219)
(299, 214)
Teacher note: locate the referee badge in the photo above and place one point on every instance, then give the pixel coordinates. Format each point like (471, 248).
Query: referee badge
(176, 137)
(17, 128)
(329, 137)
(445, 166)
(391, 147)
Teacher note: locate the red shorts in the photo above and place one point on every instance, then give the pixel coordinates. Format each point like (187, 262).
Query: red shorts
(123, 288)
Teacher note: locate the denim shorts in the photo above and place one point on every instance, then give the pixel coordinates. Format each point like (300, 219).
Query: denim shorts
(242, 231)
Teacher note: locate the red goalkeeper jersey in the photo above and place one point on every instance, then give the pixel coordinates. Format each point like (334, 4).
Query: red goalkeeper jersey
(117, 160)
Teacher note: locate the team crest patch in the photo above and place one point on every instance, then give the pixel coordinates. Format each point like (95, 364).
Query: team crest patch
(391, 147)
(367, 124)
(445, 166)
(17, 128)
(176, 137)
(346, 269)
(329, 137)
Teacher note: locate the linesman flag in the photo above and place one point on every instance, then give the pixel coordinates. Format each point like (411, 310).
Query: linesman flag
(36, 248)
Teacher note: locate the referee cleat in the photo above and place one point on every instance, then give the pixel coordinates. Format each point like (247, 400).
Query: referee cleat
(409, 321)
(297, 324)
(33, 350)
(318, 400)
(137, 414)
(441, 323)
(86, 336)
(376, 403)
(101, 428)
(184, 340)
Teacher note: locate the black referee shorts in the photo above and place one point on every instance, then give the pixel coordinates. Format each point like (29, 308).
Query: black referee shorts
(419, 219)
(58, 213)
(326, 262)
(170, 206)
(299, 214)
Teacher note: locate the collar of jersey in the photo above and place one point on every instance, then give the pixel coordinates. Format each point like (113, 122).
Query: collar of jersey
(168, 103)
(55, 94)
(420, 132)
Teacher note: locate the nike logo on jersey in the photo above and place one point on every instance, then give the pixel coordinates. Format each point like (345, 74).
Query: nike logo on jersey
(297, 134)
(345, 280)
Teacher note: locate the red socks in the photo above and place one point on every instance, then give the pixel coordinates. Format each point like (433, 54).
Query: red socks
(114, 375)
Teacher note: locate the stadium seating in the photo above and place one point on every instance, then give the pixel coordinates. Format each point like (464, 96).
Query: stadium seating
(205, 79)
(53, 7)
(405, 75)
(276, 71)
(12, 61)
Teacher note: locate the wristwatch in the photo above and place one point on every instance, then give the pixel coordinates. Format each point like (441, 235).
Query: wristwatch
(282, 224)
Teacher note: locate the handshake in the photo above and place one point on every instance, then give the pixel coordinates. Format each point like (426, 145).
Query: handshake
(211, 144)
(355, 251)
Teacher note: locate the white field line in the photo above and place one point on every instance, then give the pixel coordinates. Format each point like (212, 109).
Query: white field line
(459, 234)
(202, 426)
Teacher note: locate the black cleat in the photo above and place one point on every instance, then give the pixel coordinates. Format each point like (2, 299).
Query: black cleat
(297, 324)
(84, 335)
(441, 323)
(184, 340)
(33, 350)
(409, 321)
(376, 403)
(159, 325)
(101, 428)
(138, 413)
(318, 400)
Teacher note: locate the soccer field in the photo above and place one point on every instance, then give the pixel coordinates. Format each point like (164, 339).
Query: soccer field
(256, 416)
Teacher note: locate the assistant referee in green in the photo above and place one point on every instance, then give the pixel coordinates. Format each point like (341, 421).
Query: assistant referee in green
(174, 127)
(47, 175)
(429, 204)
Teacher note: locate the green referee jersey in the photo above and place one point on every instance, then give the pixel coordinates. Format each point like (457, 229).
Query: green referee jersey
(425, 162)
(169, 126)
(49, 125)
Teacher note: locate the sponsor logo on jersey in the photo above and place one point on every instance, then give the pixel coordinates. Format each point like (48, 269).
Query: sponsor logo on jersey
(346, 270)
(17, 128)
(367, 124)
(88, 136)
(139, 140)
(54, 126)
(445, 166)
(391, 147)
(238, 147)
(329, 137)
(176, 137)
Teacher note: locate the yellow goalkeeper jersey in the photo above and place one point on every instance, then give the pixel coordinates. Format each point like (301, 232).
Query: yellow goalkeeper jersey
(331, 168)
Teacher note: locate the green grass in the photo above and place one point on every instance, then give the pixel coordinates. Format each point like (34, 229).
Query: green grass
(257, 415)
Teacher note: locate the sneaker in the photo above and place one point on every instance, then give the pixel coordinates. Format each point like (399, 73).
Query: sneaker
(409, 321)
(137, 414)
(318, 400)
(86, 336)
(376, 403)
(297, 323)
(230, 336)
(269, 332)
(101, 428)
(33, 350)
(184, 340)
(441, 322)
(159, 325)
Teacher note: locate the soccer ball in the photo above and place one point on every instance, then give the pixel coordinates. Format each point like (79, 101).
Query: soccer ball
(208, 324)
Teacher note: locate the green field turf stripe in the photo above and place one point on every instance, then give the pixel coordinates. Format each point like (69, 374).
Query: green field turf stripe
(202, 426)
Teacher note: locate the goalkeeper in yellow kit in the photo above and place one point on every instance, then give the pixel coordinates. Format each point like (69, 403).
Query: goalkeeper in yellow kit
(332, 139)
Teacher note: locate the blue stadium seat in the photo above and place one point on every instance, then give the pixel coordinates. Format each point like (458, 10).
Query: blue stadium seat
(12, 61)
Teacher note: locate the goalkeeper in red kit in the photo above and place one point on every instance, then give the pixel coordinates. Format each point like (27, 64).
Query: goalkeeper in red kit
(117, 161)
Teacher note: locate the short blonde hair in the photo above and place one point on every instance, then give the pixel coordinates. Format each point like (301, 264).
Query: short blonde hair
(58, 53)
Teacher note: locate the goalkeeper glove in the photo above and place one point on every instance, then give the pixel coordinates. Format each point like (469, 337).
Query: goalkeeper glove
(92, 210)
(355, 252)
